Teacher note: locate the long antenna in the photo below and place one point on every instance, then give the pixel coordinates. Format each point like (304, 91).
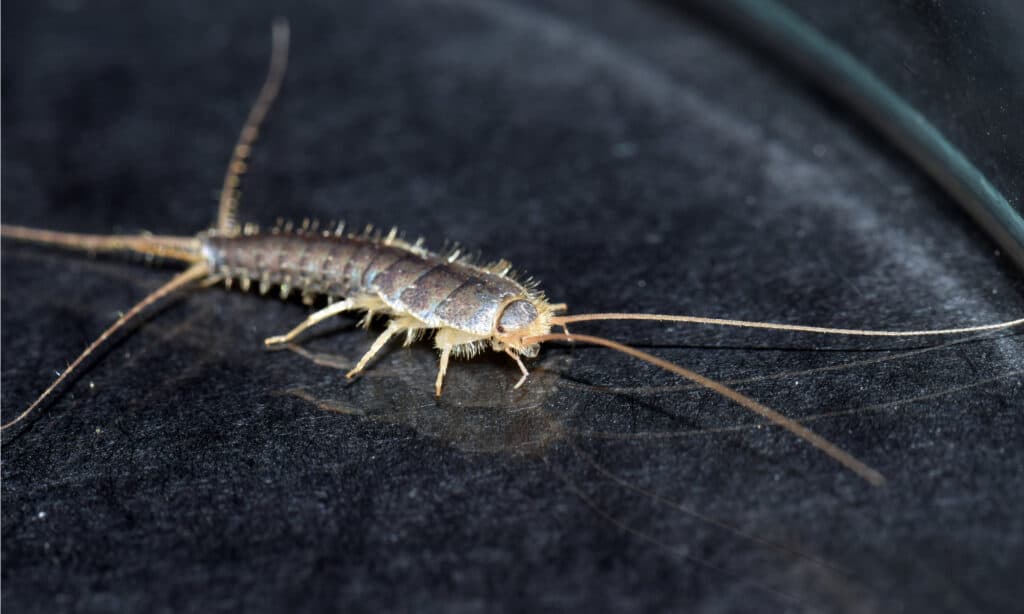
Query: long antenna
(230, 192)
(657, 317)
(801, 431)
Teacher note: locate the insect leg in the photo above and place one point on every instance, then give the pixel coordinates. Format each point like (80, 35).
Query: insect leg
(446, 353)
(448, 340)
(395, 327)
(522, 367)
(367, 320)
(314, 319)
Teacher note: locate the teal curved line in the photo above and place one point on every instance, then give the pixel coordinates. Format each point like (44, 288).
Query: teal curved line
(856, 85)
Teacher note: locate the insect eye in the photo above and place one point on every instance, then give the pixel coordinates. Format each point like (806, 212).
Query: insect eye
(517, 315)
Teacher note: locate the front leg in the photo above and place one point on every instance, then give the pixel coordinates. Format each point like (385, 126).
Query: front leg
(522, 367)
(446, 353)
(449, 341)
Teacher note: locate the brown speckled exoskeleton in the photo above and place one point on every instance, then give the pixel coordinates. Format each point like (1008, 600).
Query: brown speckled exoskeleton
(466, 307)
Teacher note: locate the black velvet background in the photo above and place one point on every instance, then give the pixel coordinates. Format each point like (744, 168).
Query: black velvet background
(631, 158)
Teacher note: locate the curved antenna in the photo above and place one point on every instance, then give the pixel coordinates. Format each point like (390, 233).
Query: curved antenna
(801, 431)
(230, 193)
(181, 280)
(657, 317)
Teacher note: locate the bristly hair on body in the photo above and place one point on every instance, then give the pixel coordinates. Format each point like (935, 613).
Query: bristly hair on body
(467, 307)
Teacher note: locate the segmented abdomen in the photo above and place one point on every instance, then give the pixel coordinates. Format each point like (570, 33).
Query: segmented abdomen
(409, 280)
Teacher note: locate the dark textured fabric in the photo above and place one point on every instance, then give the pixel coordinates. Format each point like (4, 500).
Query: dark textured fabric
(631, 158)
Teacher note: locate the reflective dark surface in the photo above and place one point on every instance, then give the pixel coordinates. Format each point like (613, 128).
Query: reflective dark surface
(630, 159)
